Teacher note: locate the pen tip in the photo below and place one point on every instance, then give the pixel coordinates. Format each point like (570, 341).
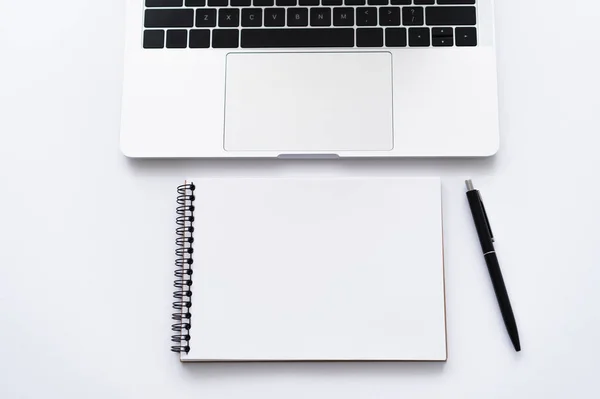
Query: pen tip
(516, 341)
(469, 184)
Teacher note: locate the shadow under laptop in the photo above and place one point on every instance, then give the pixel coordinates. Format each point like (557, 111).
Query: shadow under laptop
(309, 167)
(328, 369)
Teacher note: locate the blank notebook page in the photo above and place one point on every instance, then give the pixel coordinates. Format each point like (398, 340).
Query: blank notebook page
(317, 269)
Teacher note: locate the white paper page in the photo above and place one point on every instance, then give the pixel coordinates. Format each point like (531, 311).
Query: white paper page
(317, 269)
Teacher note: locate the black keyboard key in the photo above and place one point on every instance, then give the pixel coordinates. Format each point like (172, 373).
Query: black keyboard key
(240, 3)
(343, 16)
(442, 32)
(283, 3)
(177, 38)
(366, 16)
(206, 18)
(451, 15)
(297, 16)
(308, 2)
(378, 2)
(442, 37)
(456, 1)
(252, 17)
(169, 18)
(442, 41)
(264, 3)
(225, 38)
(229, 17)
(299, 37)
(421, 2)
(218, 3)
(389, 16)
(355, 2)
(195, 3)
(412, 16)
(320, 16)
(401, 2)
(199, 38)
(369, 37)
(154, 38)
(418, 37)
(466, 37)
(332, 2)
(164, 3)
(274, 17)
(395, 37)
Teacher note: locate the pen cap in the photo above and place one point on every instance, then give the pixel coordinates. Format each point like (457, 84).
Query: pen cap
(480, 220)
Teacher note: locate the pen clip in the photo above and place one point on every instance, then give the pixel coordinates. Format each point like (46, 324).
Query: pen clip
(487, 221)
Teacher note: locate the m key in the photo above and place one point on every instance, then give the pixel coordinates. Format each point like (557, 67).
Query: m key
(343, 16)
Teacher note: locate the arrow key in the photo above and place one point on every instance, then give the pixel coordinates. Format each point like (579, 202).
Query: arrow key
(442, 41)
(442, 32)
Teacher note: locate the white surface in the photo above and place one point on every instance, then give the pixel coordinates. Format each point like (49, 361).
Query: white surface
(305, 102)
(87, 235)
(318, 269)
(444, 101)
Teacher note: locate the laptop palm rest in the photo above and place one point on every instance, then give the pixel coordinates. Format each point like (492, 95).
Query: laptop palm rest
(308, 102)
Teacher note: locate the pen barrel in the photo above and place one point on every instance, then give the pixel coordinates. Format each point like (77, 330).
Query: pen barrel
(503, 300)
(480, 221)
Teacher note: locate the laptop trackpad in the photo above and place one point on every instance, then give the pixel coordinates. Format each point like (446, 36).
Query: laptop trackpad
(297, 102)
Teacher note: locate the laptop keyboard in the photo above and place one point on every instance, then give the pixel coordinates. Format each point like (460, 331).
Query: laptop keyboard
(308, 23)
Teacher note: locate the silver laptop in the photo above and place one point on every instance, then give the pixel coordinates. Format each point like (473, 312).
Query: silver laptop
(286, 78)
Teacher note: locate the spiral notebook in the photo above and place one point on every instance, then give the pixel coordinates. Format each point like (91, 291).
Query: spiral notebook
(309, 269)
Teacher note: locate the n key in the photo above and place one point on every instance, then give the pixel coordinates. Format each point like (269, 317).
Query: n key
(320, 16)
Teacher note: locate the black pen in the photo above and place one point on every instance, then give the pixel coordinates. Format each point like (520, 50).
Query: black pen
(486, 239)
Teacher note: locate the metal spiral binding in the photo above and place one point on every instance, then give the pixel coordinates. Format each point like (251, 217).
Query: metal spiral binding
(183, 268)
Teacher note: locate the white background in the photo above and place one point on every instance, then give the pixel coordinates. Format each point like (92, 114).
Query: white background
(87, 241)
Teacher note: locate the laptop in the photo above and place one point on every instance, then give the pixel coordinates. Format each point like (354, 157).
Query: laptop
(309, 78)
